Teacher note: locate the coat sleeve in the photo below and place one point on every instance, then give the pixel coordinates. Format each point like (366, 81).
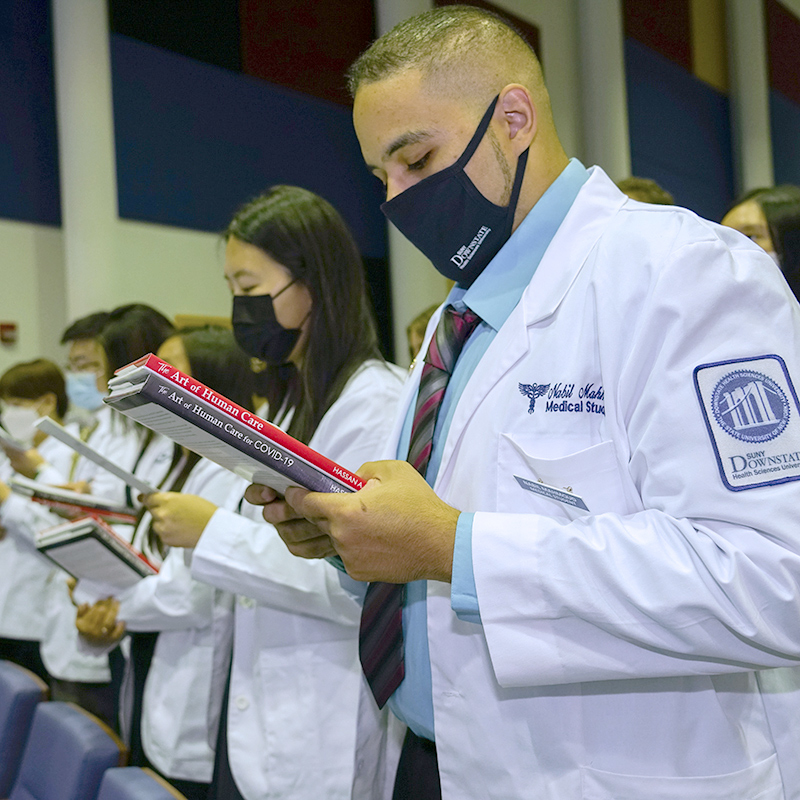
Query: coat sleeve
(248, 556)
(698, 579)
(172, 599)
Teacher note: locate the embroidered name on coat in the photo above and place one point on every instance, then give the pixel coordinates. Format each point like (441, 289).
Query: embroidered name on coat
(565, 397)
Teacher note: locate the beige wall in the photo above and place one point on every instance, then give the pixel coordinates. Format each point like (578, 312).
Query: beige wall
(32, 277)
(176, 271)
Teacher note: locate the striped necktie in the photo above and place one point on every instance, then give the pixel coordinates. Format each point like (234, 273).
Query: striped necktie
(381, 633)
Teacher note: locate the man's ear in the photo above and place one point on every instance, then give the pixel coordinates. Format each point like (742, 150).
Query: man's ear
(518, 115)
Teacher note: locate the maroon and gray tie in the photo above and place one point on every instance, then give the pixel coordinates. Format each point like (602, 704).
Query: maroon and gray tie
(381, 633)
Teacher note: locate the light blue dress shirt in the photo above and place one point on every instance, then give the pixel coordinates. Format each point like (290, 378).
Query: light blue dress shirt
(493, 296)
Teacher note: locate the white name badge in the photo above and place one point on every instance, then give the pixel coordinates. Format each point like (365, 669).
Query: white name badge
(752, 415)
(552, 492)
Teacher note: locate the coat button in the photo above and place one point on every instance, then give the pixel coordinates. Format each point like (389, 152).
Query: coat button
(242, 703)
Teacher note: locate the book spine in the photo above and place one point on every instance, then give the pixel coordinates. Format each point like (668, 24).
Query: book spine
(74, 510)
(241, 415)
(123, 546)
(159, 390)
(40, 494)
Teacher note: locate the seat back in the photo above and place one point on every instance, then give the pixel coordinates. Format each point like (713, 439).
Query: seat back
(136, 783)
(66, 754)
(20, 692)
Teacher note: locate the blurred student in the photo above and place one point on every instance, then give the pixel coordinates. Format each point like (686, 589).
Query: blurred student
(171, 617)
(130, 332)
(645, 190)
(296, 690)
(771, 218)
(415, 332)
(28, 391)
(85, 365)
(83, 677)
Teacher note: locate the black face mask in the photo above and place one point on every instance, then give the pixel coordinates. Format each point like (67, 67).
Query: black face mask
(450, 221)
(257, 330)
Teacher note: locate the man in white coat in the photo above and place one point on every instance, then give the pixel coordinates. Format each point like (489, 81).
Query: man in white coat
(602, 593)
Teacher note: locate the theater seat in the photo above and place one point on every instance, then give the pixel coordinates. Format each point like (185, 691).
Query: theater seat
(136, 783)
(20, 692)
(66, 754)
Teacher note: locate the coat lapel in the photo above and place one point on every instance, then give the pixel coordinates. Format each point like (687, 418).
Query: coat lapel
(596, 204)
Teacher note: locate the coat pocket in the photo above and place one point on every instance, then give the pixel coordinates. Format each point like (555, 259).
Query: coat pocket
(561, 487)
(761, 781)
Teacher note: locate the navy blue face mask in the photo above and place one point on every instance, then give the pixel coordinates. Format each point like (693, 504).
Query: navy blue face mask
(450, 221)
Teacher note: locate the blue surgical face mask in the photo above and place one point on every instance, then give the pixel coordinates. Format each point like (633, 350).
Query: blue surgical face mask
(450, 221)
(82, 390)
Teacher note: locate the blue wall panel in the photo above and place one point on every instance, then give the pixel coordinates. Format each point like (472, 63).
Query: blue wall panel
(785, 121)
(29, 187)
(194, 141)
(679, 131)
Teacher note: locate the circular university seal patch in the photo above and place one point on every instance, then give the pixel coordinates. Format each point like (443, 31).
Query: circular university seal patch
(750, 406)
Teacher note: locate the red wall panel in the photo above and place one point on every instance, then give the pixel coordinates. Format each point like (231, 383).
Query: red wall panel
(663, 26)
(783, 45)
(306, 45)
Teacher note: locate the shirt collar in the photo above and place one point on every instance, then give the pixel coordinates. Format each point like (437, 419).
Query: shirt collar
(498, 289)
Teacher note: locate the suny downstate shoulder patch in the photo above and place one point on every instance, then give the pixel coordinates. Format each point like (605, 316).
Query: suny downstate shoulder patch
(753, 418)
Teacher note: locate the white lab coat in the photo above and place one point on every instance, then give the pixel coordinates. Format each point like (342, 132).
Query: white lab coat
(119, 440)
(297, 694)
(175, 711)
(622, 651)
(24, 572)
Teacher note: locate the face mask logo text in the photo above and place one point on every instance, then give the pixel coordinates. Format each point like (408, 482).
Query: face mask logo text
(465, 253)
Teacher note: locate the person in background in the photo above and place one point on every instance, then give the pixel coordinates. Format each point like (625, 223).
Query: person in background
(645, 190)
(130, 332)
(296, 710)
(85, 365)
(771, 218)
(28, 391)
(171, 705)
(85, 386)
(596, 547)
(415, 332)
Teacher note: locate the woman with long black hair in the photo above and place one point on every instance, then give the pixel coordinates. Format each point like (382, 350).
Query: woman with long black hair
(295, 688)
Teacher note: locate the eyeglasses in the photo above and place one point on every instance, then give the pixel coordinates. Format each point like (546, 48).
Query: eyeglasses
(84, 365)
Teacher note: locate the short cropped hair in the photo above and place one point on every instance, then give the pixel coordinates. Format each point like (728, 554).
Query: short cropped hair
(88, 327)
(447, 38)
(30, 380)
(646, 190)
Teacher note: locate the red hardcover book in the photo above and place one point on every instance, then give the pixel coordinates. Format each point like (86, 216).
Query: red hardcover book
(72, 504)
(175, 405)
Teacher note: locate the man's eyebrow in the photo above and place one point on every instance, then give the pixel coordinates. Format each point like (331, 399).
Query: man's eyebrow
(412, 137)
